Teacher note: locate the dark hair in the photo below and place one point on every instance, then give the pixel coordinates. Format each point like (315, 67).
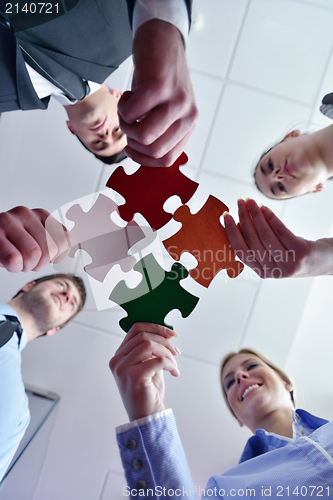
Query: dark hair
(109, 160)
(77, 282)
(245, 350)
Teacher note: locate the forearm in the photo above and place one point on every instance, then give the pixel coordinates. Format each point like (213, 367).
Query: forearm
(153, 459)
(319, 261)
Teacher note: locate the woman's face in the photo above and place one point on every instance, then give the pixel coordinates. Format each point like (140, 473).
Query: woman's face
(253, 389)
(292, 168)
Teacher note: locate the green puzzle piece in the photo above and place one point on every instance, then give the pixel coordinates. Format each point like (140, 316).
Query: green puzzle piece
(158, 293)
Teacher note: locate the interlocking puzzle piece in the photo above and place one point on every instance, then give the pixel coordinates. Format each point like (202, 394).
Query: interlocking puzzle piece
(148, 188)
(106, 243)
(205, 238)
(158, 293)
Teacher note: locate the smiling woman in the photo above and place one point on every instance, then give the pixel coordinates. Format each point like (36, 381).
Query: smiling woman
(258, 393)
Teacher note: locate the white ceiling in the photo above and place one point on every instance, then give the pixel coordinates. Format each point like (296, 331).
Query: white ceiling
(258, 68)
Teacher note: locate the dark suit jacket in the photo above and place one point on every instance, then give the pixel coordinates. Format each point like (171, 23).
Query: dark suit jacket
(87, 42)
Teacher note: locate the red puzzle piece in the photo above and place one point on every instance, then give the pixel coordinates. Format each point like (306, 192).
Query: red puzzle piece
(205, 238)
(148, 188)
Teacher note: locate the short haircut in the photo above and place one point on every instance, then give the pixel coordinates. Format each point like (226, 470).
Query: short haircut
(246, 350)
(77, 282)
(109, 160)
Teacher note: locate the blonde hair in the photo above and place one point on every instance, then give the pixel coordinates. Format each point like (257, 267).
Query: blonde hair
(269, 363)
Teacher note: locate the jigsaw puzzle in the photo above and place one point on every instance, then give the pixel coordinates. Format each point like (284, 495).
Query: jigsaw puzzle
(106, 243)
(158, 293)
(205, 238)
(148, 188)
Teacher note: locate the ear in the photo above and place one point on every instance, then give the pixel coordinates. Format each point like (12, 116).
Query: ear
(293, 133)
(52, 331)
(318, 188)
(28, 286)
(70, 127)
(240, 423)
(116, 94)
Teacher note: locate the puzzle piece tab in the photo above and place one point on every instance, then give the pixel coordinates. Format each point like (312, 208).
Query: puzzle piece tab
(158, 293)
(148, 188)
(97, 234)
(205, 238)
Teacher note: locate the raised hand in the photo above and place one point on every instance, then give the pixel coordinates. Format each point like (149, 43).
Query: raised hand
(268, 247)
(159, 114)
(138, 366)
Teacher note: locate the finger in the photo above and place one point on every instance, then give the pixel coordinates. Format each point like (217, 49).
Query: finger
(163, 331)
(10, 257)
(250, 234)
(168, 122)
(143, 337)
(158, 364)
(147, 350)
(266, 234)
(165, 161)
(287, 238)
(58, 234)
(161, 143)
(133, 106)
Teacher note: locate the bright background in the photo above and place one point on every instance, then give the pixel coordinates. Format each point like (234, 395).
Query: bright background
(259, 68)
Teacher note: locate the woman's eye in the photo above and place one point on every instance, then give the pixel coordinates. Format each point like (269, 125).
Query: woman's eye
(61, 285)
(281, 187)
(270, 164)
(252, 365)
(229, 384)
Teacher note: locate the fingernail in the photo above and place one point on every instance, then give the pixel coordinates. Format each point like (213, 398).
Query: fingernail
(246, 198)
(176, 349)
(226, 218)
(251, 203)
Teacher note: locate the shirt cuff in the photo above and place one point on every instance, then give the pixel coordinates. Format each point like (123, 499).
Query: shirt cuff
(171, 11)
(143, 420)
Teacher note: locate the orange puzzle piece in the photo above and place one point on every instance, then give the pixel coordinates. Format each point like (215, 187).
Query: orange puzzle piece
(205, 238)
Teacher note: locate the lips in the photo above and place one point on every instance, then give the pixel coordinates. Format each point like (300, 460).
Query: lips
(287, 170)
(58, 300)
(249, 389)
(98, 126)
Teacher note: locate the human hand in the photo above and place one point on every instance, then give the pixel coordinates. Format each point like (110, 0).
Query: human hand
(138, 365)
(159, 114)
(25, 244)
(265, 244)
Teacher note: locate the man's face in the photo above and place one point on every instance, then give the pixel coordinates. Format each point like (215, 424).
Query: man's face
(51, 302)
(95, 121)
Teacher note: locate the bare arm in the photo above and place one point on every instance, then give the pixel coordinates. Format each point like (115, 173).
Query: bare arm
(268, 247)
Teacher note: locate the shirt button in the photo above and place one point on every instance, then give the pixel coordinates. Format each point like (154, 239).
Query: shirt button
(141, 484)
(301, 431)
(137, 464)
(131, 444)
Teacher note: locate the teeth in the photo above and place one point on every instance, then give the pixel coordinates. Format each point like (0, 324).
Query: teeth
(248, 390)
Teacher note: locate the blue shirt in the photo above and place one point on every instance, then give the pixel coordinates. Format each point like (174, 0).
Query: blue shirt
(271, 465)
(14, 411)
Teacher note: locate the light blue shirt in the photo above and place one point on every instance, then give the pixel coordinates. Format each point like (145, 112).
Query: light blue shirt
(14, 410)
(271, 465)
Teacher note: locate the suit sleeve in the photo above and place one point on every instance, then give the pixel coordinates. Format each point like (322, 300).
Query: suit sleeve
(154, 461)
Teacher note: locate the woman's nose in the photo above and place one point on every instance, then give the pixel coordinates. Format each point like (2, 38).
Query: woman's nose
(241, 376)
